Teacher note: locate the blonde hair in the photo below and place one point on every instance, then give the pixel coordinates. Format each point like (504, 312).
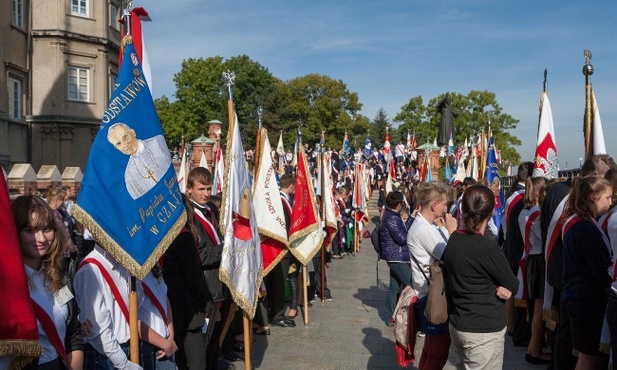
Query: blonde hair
(534, 187)
(56, 192)
(427, 192)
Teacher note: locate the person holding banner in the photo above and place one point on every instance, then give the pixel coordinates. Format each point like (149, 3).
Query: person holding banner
(210, 246)
(188, 294)
(156, 324)
(54, 306)
(102, 289)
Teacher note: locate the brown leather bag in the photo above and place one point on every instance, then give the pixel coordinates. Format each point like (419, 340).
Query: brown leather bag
(436, 310)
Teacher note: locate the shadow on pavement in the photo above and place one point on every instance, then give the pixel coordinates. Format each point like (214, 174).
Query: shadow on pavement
(380, 348)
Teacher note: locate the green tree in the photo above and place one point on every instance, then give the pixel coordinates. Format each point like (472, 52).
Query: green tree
(320, 103)
(411, 119)
(474, 110)
(202, 96)
(380, 124)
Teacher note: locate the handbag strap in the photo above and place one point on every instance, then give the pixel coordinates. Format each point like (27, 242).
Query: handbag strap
(420, 267)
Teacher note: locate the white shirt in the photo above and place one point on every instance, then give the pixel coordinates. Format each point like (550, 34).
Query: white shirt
(58, 314)
(426, 243)
(535, 238)
(96, 302)
(148, 313)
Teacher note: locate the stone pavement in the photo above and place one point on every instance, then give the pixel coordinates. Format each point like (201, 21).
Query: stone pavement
(349, 332)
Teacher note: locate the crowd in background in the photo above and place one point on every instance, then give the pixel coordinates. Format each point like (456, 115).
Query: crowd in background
(544, 278)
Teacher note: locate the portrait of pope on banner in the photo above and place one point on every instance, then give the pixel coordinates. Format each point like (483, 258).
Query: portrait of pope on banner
(149, 159)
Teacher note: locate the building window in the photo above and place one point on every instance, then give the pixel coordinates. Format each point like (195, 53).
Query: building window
(18, 13)
(79, 7)
(114, 15)
(113, 80)
(79, 83)
(15, 99)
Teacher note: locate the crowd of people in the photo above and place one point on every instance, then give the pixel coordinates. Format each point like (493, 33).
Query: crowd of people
(183, 307)
(544, 278)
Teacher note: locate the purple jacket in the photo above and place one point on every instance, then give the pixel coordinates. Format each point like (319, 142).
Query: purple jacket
(393, 237)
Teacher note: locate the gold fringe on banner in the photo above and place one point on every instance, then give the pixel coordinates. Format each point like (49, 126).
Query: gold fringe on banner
(27, 349)
(248, 307)
(119, 254)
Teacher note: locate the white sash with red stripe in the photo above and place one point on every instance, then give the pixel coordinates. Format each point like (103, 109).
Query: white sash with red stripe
(512, 200)
(552, 235)
(529, 216)
(554, 228)
(208, 226)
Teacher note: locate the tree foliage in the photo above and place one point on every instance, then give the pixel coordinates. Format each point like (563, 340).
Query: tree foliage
(474, 110)
(380, 124)
(314, 103)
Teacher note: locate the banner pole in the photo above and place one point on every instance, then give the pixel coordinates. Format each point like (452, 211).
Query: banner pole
(305, 295)
(247, 340)
(133, 329)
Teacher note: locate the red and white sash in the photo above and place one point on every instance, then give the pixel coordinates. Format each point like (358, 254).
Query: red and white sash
(50, 329)
(112, 285)
(159, 306)
(555, 228)
(286, 204)
(516, 197)
(523, 292)
(207, 224)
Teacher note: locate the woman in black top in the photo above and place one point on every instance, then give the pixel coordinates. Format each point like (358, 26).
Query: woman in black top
(478, 283)
(586, 260)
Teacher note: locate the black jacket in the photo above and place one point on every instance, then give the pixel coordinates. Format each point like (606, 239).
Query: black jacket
(187, 289)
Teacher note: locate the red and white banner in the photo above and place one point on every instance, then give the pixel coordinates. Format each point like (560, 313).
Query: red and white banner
(138, 15)
(269, 211)
(241, 265)
(545, 161)
(305, 233)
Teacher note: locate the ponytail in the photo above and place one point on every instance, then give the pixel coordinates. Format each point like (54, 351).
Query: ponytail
(582, 188)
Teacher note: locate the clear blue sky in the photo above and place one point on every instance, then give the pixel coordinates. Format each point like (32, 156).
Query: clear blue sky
(389, 51)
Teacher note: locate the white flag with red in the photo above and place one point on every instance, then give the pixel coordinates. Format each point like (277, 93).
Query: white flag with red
(545, 160)
(241, 264)
(268, 206)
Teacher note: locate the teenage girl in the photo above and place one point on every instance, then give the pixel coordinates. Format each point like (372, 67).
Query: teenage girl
(587, 258)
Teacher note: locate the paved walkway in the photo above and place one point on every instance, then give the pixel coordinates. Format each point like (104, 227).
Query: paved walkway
(349, 332)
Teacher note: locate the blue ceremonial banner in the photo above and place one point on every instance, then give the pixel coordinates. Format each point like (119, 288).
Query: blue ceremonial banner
(492, 177)
(129, 198)
(368, 148)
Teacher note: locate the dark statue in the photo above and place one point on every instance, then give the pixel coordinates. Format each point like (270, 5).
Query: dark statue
(446, 126)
